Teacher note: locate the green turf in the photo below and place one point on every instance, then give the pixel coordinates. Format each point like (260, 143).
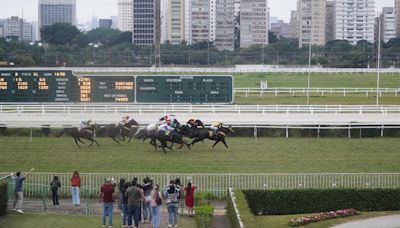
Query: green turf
(332, 155)
(51, 221)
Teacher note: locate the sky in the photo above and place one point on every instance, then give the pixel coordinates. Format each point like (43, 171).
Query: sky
(106, 8)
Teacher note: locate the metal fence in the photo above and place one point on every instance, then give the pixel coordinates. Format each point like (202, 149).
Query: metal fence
(39, 183)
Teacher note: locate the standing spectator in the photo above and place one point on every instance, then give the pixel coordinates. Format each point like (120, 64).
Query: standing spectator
(124, 203)
(155, 204)
(107, 197)
(172, 194)
(189, 197)
(147, 187)
(121, 185)
(75, 186)
(178, 187)
(135, 183)
(135, 197)
(55, 185)
(18, 190)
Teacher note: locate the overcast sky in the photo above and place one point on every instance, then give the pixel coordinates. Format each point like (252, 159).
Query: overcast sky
(106, 8)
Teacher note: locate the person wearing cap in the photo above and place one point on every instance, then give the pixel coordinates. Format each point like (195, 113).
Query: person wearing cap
(166, 127)
(18, 190)
(124, 121)
(84, 125)
(216, 126)
(107, 198)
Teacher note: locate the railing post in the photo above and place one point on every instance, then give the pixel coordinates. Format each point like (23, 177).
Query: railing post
(287, 131)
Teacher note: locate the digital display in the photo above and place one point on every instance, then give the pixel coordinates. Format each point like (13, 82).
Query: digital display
(64, 86)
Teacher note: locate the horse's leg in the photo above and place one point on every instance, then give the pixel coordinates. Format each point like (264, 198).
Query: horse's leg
(97, 143)
(76, 142)
(223, 141)
(91, 140)
(215, 144)
(115, 139)
(79, 139)
(195, 141)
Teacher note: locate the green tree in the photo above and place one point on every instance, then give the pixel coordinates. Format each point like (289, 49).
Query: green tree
(59, 33)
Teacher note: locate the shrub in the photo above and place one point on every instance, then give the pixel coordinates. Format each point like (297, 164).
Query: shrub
(204, 214)
(283, 202)
(3, 198)
(202, 198)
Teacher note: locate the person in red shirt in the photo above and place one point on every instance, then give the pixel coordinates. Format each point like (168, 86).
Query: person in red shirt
(189, 199)
(75, 186)
(107, 198)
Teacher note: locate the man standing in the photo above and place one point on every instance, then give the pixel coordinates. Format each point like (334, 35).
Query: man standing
(107, 197)
(135, 197)
(18, 190)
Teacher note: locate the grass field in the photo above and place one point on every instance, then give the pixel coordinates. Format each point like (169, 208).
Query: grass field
(51, 221)
(270, 155)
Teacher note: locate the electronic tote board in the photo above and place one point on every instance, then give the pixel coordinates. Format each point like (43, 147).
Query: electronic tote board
(64, 86)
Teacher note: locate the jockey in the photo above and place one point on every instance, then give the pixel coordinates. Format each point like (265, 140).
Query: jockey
(193, 123)
(172, 118)
(84, 125)
(166, 127)
(216, 127)
(124, 121)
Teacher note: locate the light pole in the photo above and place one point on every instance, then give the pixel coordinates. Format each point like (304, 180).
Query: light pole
(95, 45)
(309, 58)
(208, 53)
(45, 46)
(378, 74)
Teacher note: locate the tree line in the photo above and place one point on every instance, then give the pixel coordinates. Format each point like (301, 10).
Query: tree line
(65, 45)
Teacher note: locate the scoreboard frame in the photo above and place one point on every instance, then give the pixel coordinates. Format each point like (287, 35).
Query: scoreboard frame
(64, 86)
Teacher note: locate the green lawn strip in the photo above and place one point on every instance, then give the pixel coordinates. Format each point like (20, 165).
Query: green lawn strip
(251, 221)
(266, 155)
(52, 220)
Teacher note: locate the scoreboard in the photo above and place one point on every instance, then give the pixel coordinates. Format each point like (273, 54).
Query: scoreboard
(64, 87)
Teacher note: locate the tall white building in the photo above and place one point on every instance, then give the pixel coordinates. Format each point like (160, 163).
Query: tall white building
(388, 24)
(17, 27)
(213, 19)
(253, 22)
(294, 24)
(125, 15)
(176, 21)
(330, 21)
(200, 21)
(56, 11)
(312, 23)
(225, 25)
(355, 20)
(397, 13)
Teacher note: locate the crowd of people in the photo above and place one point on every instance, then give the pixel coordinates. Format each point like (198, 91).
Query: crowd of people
(137, 202)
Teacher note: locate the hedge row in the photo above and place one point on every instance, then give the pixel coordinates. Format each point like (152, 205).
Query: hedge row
(284, 202)
(3, 198)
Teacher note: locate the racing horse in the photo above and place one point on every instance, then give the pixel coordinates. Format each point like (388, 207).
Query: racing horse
(125, 131)
(199, 134)
(87, 134)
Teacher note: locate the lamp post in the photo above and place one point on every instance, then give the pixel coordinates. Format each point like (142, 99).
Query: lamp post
(45, 47)
(95, 45)
(379, 62)
(208, 53)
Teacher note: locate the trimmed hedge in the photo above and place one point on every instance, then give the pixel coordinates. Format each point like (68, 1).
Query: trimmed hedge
(303, 201)
(3, 198)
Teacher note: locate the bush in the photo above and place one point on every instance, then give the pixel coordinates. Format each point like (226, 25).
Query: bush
(3, 198)
(283, 202)
(204, 214)
(202, 198)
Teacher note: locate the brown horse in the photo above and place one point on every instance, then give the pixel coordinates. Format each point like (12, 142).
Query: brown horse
(120, 132)
(199, 134)
(87, 134)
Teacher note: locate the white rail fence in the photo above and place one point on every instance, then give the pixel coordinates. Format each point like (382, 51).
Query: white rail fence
(188, 108)
(218, 183)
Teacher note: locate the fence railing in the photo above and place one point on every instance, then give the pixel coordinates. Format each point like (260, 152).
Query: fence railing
(188, 108)
(219, 183)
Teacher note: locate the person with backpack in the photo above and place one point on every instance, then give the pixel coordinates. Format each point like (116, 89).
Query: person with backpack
(55, 185)
(172, 194)
(155, 205)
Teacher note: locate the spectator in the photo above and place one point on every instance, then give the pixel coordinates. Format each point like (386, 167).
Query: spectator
(18, 190)
(124, 202)
(107, 197)
(189, 197)
(178, 187)
(155, 204)
(135, 183)
(172, 194)
(147, 187)
(135, 197)
(121, 185)
(75, 187)
(55, 185)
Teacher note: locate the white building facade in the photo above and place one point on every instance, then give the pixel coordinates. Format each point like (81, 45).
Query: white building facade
(312, 22)
(125, 15)
(388, 24)
(56, 11)
(225, 25)
(254, 23)
(355, 20)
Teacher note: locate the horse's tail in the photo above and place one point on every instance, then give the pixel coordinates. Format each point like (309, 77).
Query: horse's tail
(61, 133)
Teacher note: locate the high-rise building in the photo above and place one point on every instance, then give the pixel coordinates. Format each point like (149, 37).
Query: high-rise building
(213, 19)
(18, 28)
(387, 25)
(330, 21)
(280, 29)
(200, 21)
(188, 21)
(355, 20)
(95, 22)
(176, 21)
(57, 11)
(312, 24)
(146, 22)
(253, 22)
(125, 15)
(105, 23)
(397, 13)
(294, 25)
(114, 20)
(2, 22)
(225, 25)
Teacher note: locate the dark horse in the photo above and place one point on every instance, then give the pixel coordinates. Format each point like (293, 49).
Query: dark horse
(114, 131)
(87, 134)
(163, 138)
(199, 134)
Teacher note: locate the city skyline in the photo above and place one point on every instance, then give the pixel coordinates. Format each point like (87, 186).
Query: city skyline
(108, 8)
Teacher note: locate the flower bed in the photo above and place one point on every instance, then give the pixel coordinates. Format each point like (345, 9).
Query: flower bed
(323, 216)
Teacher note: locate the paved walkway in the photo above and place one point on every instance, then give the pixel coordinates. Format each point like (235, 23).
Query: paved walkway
(220, 220)
(390, 221)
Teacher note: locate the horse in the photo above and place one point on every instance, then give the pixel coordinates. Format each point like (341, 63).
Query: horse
(173, 137)
(113, 130)
(199, 134)
(77, 135)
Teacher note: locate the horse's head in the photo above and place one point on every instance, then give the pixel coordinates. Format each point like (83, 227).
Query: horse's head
(131, 123)
(227, 130)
